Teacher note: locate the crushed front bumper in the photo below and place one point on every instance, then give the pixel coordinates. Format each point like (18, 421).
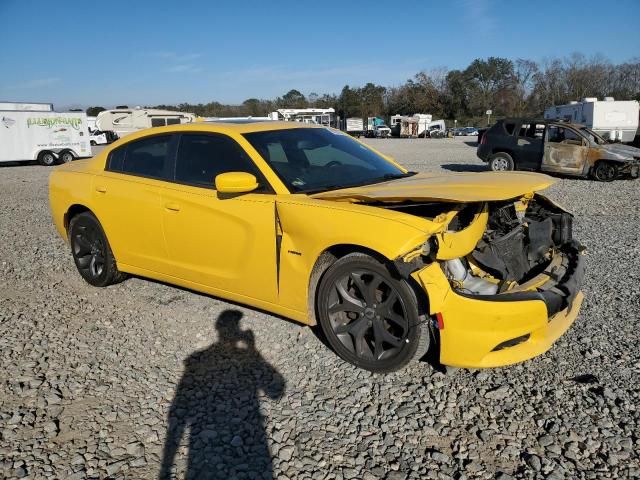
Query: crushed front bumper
(497, 330)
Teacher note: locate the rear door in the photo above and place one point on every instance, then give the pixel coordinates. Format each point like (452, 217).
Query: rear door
(530, 146)
(127, 200)
(565, 151)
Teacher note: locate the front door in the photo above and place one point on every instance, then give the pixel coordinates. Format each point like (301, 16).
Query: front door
(565, 151)
(226, 242)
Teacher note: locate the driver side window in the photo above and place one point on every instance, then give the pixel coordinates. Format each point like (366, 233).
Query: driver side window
(558, 134)
(203, 157)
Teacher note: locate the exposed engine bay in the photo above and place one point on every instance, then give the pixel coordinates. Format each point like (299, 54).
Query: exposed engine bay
(525, 246)
(519, 241)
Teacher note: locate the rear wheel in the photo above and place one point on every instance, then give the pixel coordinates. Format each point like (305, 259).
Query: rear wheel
(47, 159)
(91, 251)
(370, 318)
(605, 171)
(66, 157)
(501, 162)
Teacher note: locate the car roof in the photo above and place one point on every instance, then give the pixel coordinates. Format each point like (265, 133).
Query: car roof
(239, 126)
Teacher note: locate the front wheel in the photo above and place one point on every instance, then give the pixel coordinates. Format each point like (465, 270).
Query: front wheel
(501, 162)
(91, 251)
(47, 159)
(370, 318)
(605, 171)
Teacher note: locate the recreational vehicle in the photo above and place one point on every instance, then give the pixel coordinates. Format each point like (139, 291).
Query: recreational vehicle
(615, 120)
(124, 121)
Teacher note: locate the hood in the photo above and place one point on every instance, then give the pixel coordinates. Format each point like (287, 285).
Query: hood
(452, 187)
(619, 151)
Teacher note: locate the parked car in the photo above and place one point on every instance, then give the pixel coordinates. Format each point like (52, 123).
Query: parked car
(308, 223)
(382, 131)
(98, 137)
(556, 147)
(470, 131)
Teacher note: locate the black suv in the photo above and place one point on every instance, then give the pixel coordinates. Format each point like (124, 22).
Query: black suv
(555, 147)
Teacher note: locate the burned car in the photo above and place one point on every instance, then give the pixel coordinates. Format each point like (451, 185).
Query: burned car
(310, 224)
(556, 147)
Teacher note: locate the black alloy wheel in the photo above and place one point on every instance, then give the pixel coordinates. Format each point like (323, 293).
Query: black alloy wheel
(370, 318)
(91, 251)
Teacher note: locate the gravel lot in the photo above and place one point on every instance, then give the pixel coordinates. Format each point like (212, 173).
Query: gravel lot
(94, 382)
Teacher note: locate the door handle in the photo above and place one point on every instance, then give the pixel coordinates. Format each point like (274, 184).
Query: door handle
(174, 207)
(101, 189)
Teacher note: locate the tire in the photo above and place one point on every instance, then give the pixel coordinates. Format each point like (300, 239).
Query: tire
(605, 171)
(93, 143)
(501, 162)
(66, 157)
(370, 318)
(46, 159)
(91, 251)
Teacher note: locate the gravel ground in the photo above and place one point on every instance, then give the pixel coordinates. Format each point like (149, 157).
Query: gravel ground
(94, 382)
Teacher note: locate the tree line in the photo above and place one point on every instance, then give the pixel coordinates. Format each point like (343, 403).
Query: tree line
(517, 87)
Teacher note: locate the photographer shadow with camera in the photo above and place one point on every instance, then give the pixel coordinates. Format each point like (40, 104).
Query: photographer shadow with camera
(217, 402)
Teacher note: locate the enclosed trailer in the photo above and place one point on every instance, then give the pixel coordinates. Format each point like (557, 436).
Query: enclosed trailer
(123, 121)
(47, 136)
(616, 120)
(24, 107)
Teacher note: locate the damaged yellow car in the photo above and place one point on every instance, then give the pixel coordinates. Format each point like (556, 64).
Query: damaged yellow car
(310, 224)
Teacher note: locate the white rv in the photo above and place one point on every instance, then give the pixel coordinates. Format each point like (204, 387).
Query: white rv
(613, 119)
(320, 116)
(44, 135)
(123, 121)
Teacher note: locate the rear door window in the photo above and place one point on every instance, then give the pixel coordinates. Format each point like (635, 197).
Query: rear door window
(148, 157)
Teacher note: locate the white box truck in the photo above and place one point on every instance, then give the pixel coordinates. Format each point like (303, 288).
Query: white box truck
(47, 136)
(616, 120)
(355, 126)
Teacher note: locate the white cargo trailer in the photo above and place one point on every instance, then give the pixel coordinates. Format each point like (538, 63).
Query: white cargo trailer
(22, 107)
(47, 136)
(615, 120)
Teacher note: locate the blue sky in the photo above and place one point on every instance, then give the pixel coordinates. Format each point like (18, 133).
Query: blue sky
(143, 52)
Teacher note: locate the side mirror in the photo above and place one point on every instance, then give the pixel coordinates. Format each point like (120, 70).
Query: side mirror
(236, 182)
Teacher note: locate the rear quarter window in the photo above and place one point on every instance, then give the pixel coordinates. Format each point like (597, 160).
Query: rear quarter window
(509, 127)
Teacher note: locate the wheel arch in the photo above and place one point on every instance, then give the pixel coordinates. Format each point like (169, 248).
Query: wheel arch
(74, 210)
(330, 254)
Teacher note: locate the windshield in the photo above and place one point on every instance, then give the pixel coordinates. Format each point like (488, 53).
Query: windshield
(593, 136)
(310, 160)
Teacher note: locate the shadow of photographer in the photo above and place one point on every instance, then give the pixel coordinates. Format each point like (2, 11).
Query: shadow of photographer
(217, 402)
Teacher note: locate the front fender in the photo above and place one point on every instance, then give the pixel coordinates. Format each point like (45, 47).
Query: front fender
(310, 227)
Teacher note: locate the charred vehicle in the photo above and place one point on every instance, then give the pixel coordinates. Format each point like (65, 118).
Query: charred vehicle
(308, 223)
(556, 147)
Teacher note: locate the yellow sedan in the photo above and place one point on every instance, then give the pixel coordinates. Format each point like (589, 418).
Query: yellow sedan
(308, 223)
